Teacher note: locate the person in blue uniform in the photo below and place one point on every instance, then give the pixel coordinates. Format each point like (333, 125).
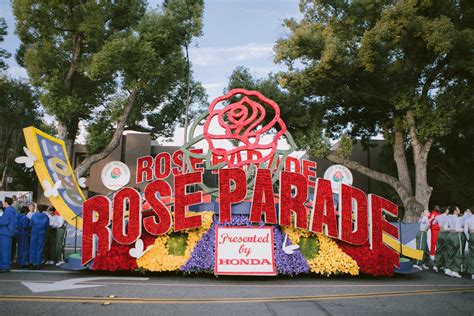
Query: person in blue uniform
(7, 230)
(22, 226)
(39, 224)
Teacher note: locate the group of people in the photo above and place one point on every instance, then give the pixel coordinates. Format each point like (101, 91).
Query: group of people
(451, 230)
(34, 235)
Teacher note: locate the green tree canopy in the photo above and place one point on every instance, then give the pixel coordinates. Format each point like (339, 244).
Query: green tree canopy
(19, 107)
(59, 40)
(398, 68)
(4, 54)
(85, 55)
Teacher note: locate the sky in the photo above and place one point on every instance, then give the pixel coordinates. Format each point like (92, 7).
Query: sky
(236, 32)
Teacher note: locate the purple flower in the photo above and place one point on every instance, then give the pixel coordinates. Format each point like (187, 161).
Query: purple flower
(202, 256)
(291, 265)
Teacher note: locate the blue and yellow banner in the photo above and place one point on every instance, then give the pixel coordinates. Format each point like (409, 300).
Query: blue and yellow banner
(52, 165)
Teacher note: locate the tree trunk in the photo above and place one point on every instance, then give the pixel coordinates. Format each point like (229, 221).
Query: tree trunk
(76, 55)
(420, 159)
(401, 160)
(68, 134)
(114, 142)
(422, 188)
(68, 130)
(413, 209)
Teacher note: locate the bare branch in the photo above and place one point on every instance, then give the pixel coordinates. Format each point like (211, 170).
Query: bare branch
(379, 176)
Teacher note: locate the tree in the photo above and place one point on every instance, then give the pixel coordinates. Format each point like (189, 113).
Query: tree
(82, 55)
(19, 108)
(4, 54)
(398, 68)
(450, 163)
(59, 40)
(159, 123)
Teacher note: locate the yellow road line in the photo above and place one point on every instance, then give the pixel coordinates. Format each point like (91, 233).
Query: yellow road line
(134, 300)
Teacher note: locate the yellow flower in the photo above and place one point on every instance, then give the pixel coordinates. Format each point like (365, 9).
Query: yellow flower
(330, 258)
(158, 258)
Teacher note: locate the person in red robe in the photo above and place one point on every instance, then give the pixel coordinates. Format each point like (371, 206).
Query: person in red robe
(434, 229)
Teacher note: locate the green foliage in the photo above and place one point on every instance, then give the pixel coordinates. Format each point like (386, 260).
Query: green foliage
(59, 40)
(366, 63)
(376, 67)
(177, 244)
(300, 117)
(344, 149)
(150, 58)
(309, 246)
(19, 108)
(4, 54)
(451, 171)
(83, 55)
(100, 132)
(313, 140)
(161, 122)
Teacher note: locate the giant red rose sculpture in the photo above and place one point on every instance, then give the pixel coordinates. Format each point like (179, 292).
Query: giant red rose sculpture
(243, 123)
(241, 129)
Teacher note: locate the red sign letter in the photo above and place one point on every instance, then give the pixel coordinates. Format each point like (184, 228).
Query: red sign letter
(226, 196)
(144, 165)
(309, 171)
(292, 163)
(378, 225)
(161, 211)
(134, 227)
(182, 200)
(323, 210)
(263, 201)
(99, 205)
(178, 161)
(356, 233)
(162, 165)
(196, 161)
(293, 203)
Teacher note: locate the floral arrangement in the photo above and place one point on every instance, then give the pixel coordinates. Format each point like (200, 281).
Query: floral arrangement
(318, 253)
(202, 258)
(291, 265)
(159, 258)
(330, 259)
(117, 259)
(373, 262)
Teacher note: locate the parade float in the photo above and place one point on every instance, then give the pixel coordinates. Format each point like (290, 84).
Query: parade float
(269, 214)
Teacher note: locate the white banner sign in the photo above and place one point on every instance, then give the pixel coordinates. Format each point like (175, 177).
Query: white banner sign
(244, 251)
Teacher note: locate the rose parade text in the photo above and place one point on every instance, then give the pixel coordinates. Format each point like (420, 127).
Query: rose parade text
(358, 218)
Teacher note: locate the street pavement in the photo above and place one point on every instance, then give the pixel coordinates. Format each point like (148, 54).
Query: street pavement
(55, 292)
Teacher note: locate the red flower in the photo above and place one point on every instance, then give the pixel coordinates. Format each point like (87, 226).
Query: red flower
(118, 257)
(242, 122)
(378, 262)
